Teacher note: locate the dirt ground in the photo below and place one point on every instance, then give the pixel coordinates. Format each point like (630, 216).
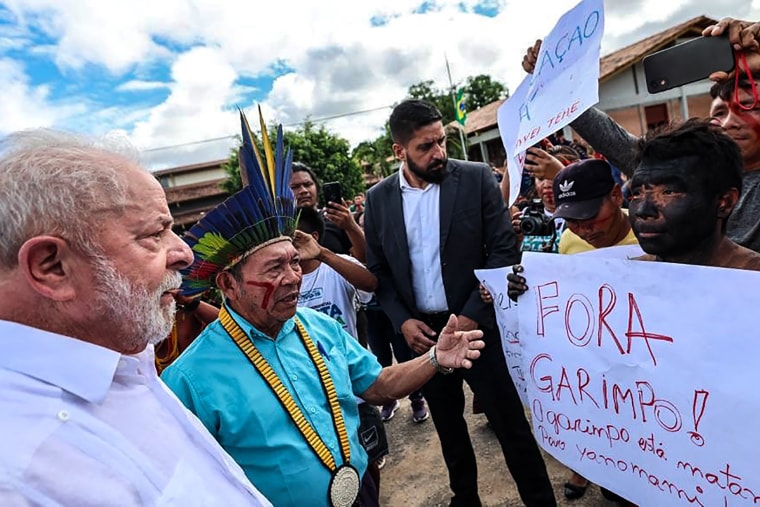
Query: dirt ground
(415, 474)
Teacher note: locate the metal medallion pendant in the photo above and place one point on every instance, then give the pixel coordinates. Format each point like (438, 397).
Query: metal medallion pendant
(344, 486)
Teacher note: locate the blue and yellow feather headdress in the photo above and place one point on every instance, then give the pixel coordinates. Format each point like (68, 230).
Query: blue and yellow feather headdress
(261, 213)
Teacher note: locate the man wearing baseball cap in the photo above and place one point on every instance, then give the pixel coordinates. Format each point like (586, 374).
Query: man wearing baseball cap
(590, 202)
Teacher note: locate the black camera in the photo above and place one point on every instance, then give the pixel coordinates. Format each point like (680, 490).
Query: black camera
(534, 222)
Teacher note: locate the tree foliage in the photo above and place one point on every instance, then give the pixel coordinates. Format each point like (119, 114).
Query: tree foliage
(326, 153)
(481, 90)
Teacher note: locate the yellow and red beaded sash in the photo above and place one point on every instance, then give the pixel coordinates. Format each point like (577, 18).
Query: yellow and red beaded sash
(286, 399)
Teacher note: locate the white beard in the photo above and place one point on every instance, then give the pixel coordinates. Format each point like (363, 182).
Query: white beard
(140, 313)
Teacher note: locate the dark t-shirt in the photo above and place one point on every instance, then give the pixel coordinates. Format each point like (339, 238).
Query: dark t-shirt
(335, 239)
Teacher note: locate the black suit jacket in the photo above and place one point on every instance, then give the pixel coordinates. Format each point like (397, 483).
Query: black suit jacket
(476, 232)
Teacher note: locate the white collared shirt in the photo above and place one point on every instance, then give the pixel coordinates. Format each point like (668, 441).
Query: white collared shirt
(84, 425)
(422, 219)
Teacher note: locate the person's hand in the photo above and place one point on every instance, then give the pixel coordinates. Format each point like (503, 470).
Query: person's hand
(457, 349)
(517, 214)
(546, 166)
(744, 36)
(340, 215)
(531, 56)
(417, 333)
(485, 296)
(465, 323)
(516, 286)
(307, 246)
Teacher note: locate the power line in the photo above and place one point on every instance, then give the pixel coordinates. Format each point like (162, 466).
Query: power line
(295, 124)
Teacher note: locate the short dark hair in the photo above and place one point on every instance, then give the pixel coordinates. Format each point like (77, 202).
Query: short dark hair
(410, 115)
(301, 167)
(310, 221)
(720, 160)
(725, 89)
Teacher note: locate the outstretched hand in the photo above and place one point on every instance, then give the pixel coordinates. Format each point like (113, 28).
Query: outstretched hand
(458, 349)
(516, 286)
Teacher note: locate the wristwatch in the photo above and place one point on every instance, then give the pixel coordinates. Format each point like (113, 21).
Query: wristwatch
(433, 361)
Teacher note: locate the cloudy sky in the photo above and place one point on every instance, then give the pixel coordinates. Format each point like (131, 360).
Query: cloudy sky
(169, 74)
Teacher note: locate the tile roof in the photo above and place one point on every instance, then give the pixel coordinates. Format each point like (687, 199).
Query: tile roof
(619, 60)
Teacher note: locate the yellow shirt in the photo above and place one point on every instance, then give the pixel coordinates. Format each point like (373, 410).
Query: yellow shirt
(571, 243)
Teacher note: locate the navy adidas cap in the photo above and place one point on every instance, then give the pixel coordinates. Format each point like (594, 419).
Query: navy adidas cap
(580, 188)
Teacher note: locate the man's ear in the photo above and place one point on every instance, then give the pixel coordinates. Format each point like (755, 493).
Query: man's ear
(399, 151)
(227, 284)
(727, 202)
(617, 196)
(48, 265)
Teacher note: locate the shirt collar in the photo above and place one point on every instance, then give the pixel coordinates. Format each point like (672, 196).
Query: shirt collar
(252, 332)
(404, 183)
(81, 368)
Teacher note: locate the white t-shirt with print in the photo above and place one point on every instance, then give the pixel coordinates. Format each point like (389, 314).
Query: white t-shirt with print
(326, 291)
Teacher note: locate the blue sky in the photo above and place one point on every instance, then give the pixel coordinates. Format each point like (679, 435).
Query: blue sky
(172, 72)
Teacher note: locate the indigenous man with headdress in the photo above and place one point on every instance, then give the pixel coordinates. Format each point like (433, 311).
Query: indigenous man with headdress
(275, 383)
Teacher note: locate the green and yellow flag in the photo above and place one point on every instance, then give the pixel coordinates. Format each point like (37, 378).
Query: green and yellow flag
(461, 112)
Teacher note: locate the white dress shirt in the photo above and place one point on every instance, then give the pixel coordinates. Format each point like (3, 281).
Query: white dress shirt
(82, 425)
(422, 219)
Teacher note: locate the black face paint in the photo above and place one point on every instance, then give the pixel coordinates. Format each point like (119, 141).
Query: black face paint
(672, 212)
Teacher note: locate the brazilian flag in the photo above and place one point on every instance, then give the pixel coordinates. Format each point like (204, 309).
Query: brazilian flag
(461, 112)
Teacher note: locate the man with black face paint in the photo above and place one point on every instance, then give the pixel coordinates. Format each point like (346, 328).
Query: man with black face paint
(683, 192)
(427, 228)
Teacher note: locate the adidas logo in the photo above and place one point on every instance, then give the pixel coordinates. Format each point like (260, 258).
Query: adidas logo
(565, 186)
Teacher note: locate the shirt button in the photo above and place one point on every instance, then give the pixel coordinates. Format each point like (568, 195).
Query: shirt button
(313, 410)
(63, 415)
(294, 376)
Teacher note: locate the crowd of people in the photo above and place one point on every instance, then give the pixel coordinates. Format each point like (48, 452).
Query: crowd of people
(278, 394)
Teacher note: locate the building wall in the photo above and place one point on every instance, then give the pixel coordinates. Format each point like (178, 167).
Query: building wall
(191, 177)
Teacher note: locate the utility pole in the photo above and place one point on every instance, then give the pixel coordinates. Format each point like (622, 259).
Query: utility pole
(452, 90)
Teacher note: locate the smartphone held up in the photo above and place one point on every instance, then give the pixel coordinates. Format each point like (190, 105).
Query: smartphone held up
(688, 62)
(332, 192)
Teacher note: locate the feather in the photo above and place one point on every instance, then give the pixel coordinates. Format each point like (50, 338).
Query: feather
(263, 210)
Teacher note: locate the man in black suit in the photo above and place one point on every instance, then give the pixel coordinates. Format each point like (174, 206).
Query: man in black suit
(427, 228)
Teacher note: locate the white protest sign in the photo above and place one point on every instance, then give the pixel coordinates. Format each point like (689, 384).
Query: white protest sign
(615, 252)
(495, 280)
(642, 376)
(563, 85)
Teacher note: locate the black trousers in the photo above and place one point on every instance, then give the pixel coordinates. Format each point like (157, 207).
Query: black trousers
(490, 381)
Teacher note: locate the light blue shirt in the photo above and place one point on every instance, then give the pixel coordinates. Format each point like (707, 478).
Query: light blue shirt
(217, 382)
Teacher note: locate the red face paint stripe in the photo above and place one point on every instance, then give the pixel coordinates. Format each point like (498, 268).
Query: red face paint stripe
(268, 294)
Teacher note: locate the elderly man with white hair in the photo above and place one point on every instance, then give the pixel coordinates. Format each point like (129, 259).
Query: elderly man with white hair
(88, 268)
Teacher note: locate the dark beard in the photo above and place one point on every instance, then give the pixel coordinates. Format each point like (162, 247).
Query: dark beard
(435, 173)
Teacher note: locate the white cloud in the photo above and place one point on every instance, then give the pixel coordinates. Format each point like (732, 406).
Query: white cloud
(340, 62)
(23, 105)
(196, 109)
(138, 85)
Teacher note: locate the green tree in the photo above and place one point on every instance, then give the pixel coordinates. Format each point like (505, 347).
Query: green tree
(326, 153)
(376, 155)
(481, 90)
(234, 182)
